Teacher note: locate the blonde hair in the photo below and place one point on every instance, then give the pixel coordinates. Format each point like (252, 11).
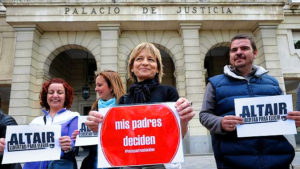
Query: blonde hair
(114, 82)
(137, 50)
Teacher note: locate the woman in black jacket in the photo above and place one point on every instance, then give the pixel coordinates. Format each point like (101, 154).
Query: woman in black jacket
(146, 70)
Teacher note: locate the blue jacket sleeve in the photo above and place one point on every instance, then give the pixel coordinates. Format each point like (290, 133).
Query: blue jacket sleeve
(73, 126)
(298, 98)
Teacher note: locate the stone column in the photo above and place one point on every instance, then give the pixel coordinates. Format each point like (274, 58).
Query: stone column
(109, 46)
(195, 84)
(268, 56)
(7, 51)
(24, 97)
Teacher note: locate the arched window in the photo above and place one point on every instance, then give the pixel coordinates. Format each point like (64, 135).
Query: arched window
(77, 67)
(215, 60)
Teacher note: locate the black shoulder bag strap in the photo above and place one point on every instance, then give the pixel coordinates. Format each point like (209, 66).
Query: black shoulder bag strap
(45, 120)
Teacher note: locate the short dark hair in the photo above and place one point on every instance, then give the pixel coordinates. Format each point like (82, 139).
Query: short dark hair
(245, 36)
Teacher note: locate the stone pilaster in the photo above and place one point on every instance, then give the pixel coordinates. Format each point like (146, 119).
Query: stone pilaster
(268, 55)
(195, 82)
(24, 98)
(109, 46)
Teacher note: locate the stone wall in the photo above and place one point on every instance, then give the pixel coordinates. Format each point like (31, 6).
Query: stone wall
(7, 51)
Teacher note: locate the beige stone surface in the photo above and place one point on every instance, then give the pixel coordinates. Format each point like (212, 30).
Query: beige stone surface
(7, 49)
(185, 30)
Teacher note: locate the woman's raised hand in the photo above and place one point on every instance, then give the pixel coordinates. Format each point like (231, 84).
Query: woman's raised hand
(65, 143)
(186, 113)
(184, 109)
(93, 120)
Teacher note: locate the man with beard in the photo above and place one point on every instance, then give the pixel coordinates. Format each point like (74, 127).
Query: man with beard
(243, 79)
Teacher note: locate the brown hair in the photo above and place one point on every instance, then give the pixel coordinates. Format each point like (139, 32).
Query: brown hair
(245, 36)
(137, 50)
(113, 81)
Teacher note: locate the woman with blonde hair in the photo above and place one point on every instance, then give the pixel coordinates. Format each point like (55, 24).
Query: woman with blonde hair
(146, 70)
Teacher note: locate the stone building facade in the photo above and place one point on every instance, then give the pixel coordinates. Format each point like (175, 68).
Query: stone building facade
(40, 39)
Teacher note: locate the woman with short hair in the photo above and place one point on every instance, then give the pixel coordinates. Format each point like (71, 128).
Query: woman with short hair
(56, 98)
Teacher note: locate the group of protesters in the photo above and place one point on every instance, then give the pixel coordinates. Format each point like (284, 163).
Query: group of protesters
(240, 79)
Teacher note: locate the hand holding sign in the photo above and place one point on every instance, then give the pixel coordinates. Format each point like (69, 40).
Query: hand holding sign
(185, 112)
(2, 144)
(74, 134)
(93, 120)
(294, 115)
(229, 122)
(184, 109)
(65, 143)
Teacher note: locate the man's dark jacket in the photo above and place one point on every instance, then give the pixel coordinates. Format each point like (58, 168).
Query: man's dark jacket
(231, 152)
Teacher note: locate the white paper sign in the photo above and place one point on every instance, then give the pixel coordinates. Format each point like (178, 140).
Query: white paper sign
(265, 116)
(86, 136)
(28, 143)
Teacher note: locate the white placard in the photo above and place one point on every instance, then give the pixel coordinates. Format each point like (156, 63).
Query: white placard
(29, 143)
(265, 116)
(86, 136)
